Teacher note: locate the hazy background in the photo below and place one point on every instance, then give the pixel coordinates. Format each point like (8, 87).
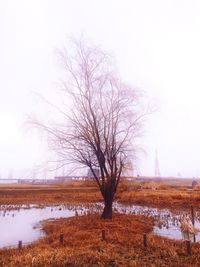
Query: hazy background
(156, 45)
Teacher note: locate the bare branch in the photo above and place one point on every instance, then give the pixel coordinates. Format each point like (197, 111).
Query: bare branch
(104, 121)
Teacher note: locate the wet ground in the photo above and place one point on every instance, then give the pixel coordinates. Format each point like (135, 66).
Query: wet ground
(23, 223)
(168, 223)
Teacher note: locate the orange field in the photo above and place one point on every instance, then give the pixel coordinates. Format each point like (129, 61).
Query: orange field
(83, 244)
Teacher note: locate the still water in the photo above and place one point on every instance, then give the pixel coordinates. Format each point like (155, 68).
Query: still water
(24, 223)
(166, 222)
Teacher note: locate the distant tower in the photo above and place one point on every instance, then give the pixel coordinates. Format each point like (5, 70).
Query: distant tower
(33, 174)
(157, 169)
(10, 174)
(63, 171)
(57, 169)
(45, 169)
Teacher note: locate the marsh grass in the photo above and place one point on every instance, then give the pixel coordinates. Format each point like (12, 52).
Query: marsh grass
(160, 195)
(74, 193)
(78, 192)
(83, 245)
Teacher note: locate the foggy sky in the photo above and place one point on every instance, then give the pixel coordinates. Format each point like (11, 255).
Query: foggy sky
(156, 45)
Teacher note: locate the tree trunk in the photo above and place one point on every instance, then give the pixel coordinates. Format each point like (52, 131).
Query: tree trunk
(107, 211)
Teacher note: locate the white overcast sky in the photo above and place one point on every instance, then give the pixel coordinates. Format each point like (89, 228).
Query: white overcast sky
(156, 44)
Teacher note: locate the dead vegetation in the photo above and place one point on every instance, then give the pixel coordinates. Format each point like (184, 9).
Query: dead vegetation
(83, 245)
(159, 195)
(63, 193)
(155, 194)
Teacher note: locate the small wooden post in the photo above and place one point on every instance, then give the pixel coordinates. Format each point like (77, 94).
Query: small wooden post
(103, 235)
(194, 238)
(192, 214)
(20, 245)
(145, 240)
(61, 238)
(188, 247)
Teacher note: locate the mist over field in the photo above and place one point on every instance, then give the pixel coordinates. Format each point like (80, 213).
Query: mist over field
(156, 49)
(99, 136)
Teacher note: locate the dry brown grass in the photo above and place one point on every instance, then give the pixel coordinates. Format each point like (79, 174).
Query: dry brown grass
(74, 193)
(164, 196)
(83, 245)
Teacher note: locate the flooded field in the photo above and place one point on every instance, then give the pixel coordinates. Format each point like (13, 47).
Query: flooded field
(175, 225)
(23, 223)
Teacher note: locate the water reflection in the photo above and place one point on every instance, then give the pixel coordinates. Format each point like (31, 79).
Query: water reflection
(176, 225)
(22, 223)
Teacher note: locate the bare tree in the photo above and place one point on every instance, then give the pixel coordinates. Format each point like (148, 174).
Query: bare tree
(101, 129)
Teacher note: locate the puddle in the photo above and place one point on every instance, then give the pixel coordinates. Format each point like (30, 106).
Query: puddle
(166, 222)
(23, 223)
